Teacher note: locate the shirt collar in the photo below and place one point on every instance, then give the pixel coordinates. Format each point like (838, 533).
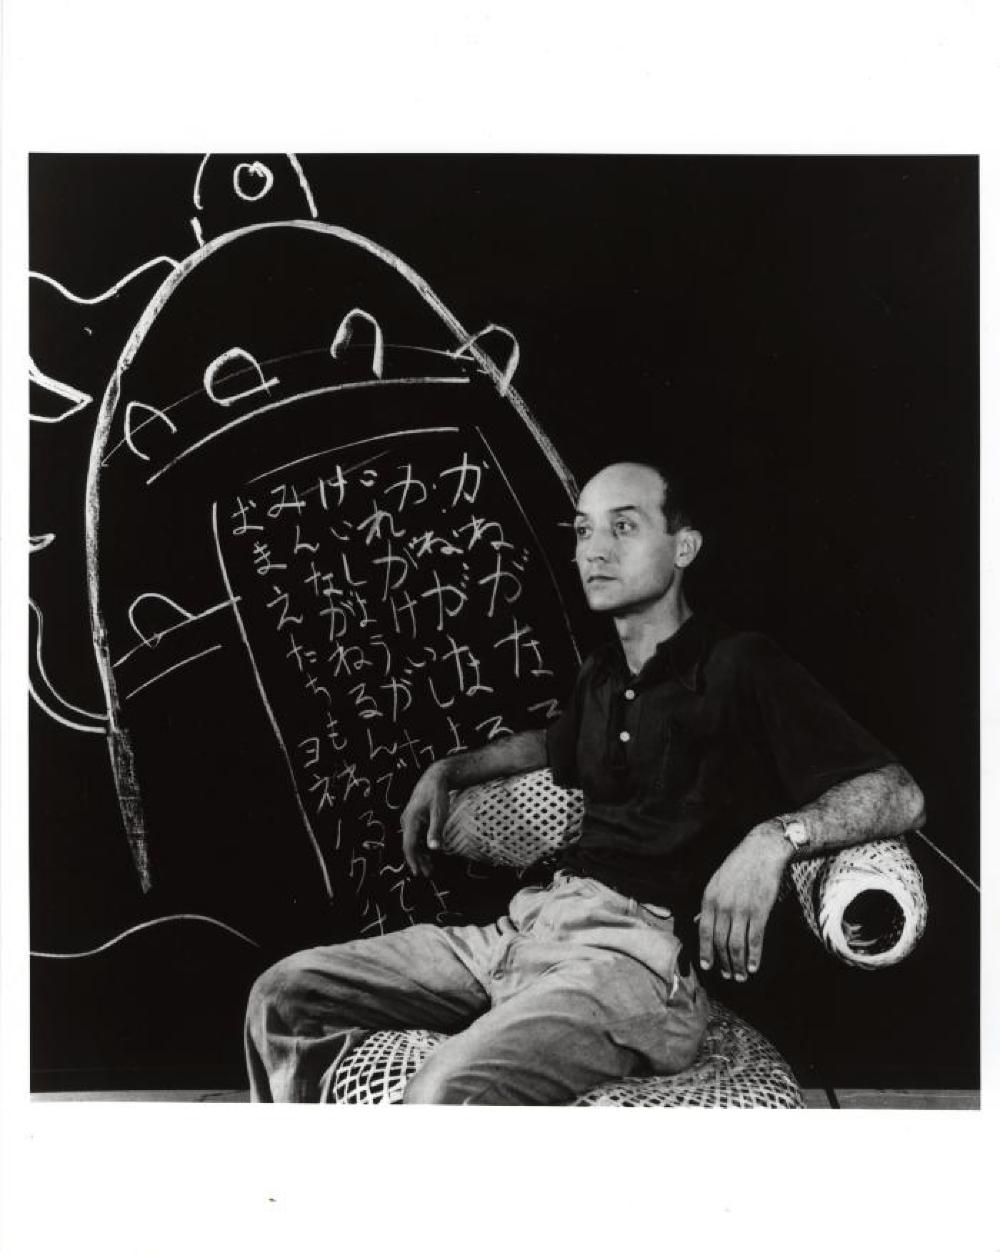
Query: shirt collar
(682, 655)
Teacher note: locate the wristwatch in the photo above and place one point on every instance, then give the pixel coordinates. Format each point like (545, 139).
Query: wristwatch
(795, 831)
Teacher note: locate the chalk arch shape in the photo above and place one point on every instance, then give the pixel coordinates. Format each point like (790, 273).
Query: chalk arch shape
(220, 376)
(347, 334)
(153, 614)
(456, 339)
(138, 416)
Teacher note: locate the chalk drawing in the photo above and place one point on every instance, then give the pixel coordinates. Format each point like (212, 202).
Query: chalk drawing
(44, 693)
(246, 174)
(372, 581)
(144, 926)
(170, 670)
(213, 368)
(346, 331)
(77, 399)
(155, 415)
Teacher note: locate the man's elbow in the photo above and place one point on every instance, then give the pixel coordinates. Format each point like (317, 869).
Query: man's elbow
(910, 799)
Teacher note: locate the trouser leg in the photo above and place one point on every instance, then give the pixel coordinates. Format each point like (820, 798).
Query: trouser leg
(309, 1010)
(591, 988)
(587, 1024)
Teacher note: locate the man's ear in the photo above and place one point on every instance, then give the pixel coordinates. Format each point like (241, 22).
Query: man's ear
(689, 543)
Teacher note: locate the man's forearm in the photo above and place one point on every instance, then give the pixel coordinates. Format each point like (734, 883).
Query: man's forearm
(872, 806)
(739, 896)
(514, 754)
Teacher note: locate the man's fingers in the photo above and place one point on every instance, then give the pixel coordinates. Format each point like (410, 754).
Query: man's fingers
(723, 921)
(706, 936)
(738, 947)
(755, 943)
(411, 844)
(434, 827)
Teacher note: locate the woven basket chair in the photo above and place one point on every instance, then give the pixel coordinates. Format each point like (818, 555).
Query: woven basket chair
(866, 905)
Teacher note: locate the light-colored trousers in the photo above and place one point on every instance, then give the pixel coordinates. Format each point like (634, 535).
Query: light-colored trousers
(575, 986)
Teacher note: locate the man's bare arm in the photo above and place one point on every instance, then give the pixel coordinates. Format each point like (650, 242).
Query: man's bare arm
(740, 895)
(427, 809)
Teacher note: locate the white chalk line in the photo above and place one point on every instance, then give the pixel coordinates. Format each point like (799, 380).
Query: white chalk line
(157, 596)
(954, 864)
(357, 443)
(303, 183)
(512, 361)
(111, 291)
(66, 722)
(154, 639)
(308, 491)
(200, 391)
(253, 167)
(65, 391)
(538, 545)
(93, 715)
(197, 181)
(290, 400)
(170, 669)
(253, 365)
(268, 363)
(345, 333)
(155, 415)
(142, 926)
(233, 600)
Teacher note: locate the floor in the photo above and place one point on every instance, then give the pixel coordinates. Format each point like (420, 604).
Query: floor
(815, 1098)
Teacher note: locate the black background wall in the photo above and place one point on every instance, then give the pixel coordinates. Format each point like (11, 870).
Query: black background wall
(803, 331)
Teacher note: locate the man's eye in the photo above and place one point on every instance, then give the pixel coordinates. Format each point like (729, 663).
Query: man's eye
(624, 526)
(582, 531)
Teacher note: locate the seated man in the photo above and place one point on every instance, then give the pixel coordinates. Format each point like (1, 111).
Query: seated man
(707, 760)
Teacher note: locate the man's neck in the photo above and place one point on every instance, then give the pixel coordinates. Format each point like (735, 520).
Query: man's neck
(641, 634)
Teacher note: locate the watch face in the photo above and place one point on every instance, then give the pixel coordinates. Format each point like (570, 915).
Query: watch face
(796, 833)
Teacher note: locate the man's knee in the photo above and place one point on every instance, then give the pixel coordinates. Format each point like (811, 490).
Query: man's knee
(286, 990)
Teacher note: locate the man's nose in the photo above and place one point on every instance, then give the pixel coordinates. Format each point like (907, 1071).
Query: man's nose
(597, 547)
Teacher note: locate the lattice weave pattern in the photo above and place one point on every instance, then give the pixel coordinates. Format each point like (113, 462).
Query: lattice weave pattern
(734, 1068)
(828, 887)
(513, 822)
(375, 1073)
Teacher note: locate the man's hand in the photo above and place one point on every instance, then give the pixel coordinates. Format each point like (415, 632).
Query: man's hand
(738, 901)
(424, 817)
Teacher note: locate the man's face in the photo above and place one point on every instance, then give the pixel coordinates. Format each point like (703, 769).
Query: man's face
(626, 558)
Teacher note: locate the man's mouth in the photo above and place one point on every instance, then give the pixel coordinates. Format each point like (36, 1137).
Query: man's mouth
(600, 578)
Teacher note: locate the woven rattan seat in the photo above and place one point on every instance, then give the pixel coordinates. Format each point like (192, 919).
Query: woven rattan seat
(514, 822)
(734, 1068)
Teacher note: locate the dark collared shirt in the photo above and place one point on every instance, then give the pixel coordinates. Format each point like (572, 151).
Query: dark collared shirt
(718, 732)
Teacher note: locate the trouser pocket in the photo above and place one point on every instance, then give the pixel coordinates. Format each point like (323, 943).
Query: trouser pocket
(666, 1039)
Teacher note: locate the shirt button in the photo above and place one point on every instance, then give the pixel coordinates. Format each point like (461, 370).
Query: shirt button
(629, 694)
(624, 736)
